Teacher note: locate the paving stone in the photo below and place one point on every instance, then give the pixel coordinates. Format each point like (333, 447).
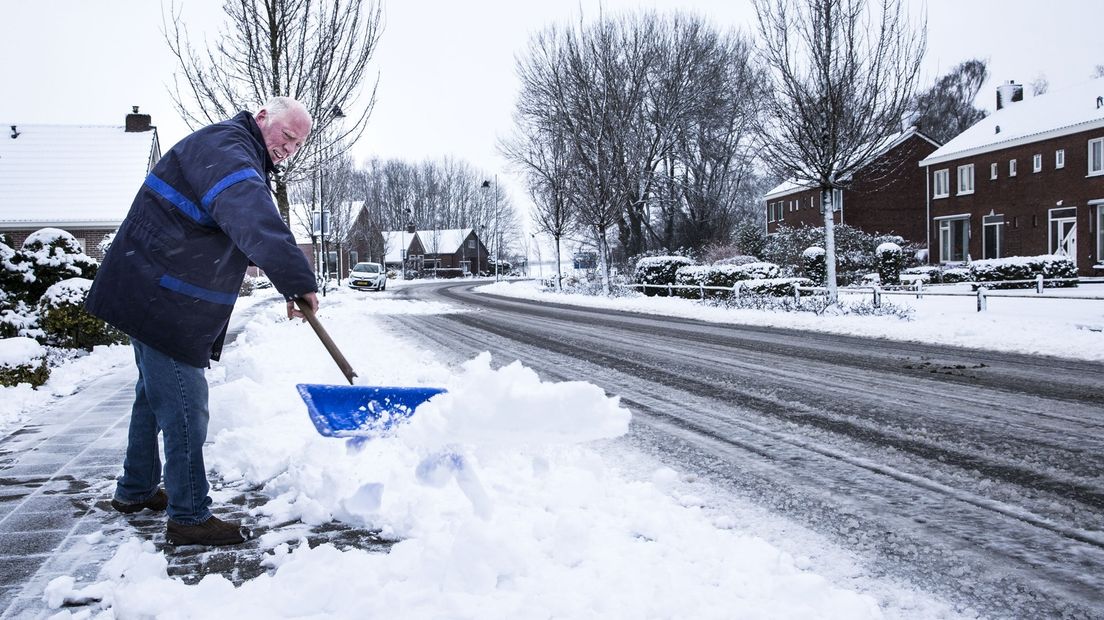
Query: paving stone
(36, 521)
(31, 543)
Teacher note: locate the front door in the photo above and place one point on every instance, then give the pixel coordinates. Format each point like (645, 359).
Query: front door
(1063, 233)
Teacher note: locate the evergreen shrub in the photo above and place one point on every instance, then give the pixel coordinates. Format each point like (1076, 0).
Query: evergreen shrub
(657, 272)
(889, 259)
(67, 324)
(996, 272)
(22, 360)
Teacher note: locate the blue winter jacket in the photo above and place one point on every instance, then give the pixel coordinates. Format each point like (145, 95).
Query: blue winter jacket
(176, 264)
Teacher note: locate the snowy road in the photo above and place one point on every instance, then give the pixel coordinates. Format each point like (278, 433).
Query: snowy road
(976, 475)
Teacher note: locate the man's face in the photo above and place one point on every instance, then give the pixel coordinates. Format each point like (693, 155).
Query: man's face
(283, 134)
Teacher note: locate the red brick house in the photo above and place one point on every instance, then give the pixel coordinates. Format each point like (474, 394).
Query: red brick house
(79, 178)
(884, 196)
(457, 248)
(1025, 181)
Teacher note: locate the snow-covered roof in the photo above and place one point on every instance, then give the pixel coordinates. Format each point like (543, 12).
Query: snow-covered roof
(889, 143)
(443, 241)
(1043, 117)
(71, 175)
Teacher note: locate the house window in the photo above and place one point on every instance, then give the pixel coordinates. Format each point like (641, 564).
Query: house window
(1096, 156)
(837, 200)
(1037, 163)
(1060, 158)
(966, 179)
(954, 239)
(1063, 232)
(992, 236)
(941, 186)
(471, 244)
(993, 171)
(1011, 167)
(353, 257)
(1100, 234)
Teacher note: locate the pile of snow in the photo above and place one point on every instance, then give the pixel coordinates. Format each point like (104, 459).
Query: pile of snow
(500, 492)
(20, 351)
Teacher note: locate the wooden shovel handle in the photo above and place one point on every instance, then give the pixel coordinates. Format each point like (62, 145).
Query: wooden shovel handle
(327, 342)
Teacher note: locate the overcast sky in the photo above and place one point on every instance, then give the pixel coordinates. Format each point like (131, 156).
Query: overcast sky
(446, 67)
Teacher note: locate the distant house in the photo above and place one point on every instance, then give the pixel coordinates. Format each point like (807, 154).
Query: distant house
(79, 178)
(457, 248)
(1027, 180)
(886, 195)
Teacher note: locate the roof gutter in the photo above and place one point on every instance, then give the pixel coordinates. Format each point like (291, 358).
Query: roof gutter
(1028, 139)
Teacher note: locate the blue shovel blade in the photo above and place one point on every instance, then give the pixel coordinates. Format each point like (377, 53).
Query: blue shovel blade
(359, 411)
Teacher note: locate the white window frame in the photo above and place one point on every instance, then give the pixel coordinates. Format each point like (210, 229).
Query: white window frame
(1096, 156)
(965, 180)
(1055, 219)
(946, 232)
(941, 179)
(1037, 162)
(1011, 167)
(1100, 233)
(993, 171)
(992, 226)
(1059, 159)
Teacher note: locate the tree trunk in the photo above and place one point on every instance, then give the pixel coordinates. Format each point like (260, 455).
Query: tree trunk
(559, 270)
(829, 243)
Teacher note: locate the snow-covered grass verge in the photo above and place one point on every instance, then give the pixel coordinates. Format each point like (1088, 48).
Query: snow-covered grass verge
(1035, 325)
(506, 495)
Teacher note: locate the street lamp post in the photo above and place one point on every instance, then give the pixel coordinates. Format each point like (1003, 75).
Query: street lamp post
(497, 233)
(335, 112)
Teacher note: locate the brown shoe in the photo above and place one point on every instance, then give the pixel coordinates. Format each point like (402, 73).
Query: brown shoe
(158, 502)
(212, 532)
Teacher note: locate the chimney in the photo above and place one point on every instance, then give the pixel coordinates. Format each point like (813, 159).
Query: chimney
(1009, 93)
(14, 133)
(137, 122)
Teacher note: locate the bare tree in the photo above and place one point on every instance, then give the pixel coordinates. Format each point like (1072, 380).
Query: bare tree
(316, 52)
(840, 80)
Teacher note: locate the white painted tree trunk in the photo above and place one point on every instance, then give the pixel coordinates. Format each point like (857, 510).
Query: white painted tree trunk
(829, 244)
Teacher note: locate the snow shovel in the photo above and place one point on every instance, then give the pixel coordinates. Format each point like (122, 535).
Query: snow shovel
(355, 410)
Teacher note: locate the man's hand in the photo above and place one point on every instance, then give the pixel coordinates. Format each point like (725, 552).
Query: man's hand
(310, 299)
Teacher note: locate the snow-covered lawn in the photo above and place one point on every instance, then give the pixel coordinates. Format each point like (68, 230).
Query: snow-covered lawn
(511, 497)
(1018, 321)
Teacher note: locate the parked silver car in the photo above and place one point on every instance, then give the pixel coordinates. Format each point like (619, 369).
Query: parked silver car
(370, 276)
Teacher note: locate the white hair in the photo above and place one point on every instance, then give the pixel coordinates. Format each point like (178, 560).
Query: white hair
(279, 106)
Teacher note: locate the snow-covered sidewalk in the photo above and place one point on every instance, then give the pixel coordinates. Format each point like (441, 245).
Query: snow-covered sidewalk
(507, 497)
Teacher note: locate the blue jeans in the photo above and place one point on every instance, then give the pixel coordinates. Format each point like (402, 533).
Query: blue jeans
(170, 397)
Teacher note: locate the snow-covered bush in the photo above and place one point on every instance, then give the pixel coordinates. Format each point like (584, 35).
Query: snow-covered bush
(954, 275)
(16, 318)
(815, 265)
(692, 275)
(736, 260)
(22, 360)
(15, 270)
(658, 271)
(855, 249)
(926, 274)
(65, 321)
(889, 259)
(996, 272)
(54, 255)
(775, 287)
(722, 276)
(105, 244)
